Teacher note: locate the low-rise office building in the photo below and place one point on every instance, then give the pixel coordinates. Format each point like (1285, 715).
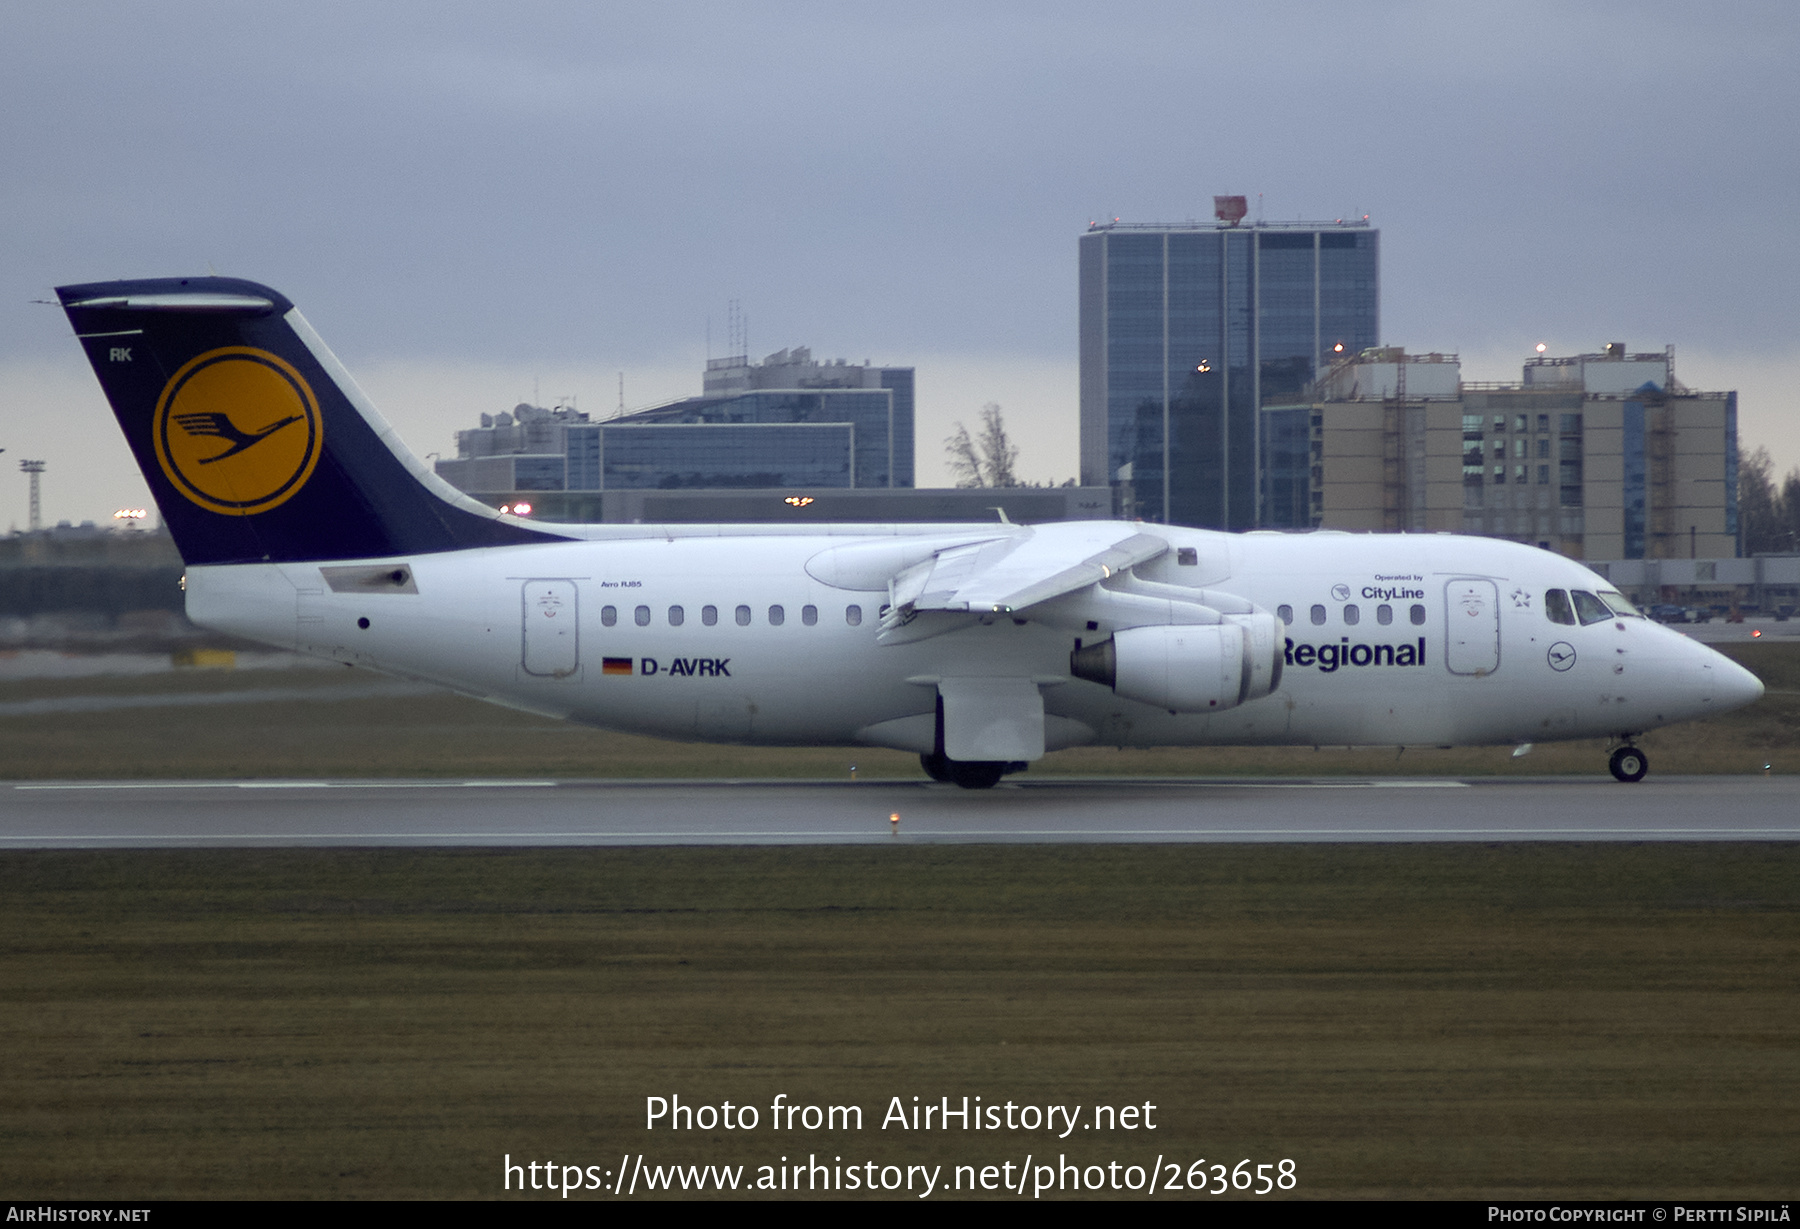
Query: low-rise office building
(1597, 456)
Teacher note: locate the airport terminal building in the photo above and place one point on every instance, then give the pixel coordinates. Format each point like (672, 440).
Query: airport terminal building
(787, 439)
(786, 422)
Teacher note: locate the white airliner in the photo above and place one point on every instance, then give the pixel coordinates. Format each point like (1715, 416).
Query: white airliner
(304, 523)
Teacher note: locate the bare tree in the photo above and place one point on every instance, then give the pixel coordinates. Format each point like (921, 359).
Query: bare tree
(1758, 519)
(1768, 513)
(987, 459)
(965, 463)
(998, 452)
(1788, 507)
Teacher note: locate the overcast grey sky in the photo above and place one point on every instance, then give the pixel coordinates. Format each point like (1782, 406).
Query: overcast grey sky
(467, 199)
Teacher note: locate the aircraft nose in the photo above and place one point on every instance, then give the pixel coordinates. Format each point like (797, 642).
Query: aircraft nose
(1737, 686)
(1725, 685)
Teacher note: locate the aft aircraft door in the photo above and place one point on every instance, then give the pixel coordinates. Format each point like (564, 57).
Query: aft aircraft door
(1471, 627)
(552, 639)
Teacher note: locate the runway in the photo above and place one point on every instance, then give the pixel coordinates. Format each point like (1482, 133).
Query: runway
(323, 814)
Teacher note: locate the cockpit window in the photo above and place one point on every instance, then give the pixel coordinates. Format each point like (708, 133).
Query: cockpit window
(1557, 608)
(1619, 604)
(1590, 608)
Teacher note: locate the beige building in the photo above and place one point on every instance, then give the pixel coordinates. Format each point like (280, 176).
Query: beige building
(1598, 456)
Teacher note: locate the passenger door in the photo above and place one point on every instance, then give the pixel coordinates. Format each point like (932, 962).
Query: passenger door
(1472, 627)
(552, 635)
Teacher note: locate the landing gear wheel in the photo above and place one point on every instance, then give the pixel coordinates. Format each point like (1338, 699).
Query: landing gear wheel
(970, 774)
(977, 774)
(1629, 764)
(936, 766)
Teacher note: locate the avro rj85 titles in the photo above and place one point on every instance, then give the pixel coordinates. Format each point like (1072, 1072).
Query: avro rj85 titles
(305, 524)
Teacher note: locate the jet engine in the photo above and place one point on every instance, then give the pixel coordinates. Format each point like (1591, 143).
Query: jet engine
(1188, 668)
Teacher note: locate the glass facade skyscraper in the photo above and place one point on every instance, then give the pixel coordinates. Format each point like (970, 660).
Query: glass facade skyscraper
(1187, 331)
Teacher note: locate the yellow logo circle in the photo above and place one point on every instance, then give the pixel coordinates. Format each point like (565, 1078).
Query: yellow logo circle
(237, 431)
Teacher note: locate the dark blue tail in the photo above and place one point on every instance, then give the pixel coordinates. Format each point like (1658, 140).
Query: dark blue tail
(256, 443)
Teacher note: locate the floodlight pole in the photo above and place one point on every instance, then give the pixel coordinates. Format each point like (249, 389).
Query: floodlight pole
(34, 468)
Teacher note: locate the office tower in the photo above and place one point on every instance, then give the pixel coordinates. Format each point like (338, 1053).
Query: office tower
(1187, 330)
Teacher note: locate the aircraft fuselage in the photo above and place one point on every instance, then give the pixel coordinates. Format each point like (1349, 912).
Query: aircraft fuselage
(1418, 640)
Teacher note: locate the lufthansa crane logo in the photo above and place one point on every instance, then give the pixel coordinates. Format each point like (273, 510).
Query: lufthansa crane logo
(238, 431)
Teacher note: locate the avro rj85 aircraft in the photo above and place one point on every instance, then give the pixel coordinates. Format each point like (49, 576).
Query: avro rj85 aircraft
(305, 524)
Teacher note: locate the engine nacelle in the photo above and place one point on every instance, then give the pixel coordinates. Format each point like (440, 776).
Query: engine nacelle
(1264, 639)
(1188, 668)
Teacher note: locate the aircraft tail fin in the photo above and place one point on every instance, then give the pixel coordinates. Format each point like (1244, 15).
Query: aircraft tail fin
(256, 443)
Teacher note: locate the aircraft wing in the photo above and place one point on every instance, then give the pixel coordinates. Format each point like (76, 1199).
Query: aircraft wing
(1010, 574)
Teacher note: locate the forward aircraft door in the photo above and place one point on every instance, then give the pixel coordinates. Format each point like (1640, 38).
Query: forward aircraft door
(552, 637)
(1472, 627)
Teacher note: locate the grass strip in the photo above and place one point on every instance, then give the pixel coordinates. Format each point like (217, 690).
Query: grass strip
(1445, 1021)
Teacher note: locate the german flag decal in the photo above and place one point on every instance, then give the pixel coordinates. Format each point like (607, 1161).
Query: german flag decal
(615, 665)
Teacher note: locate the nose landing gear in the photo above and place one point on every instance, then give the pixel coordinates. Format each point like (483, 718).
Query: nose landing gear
(1628, 763)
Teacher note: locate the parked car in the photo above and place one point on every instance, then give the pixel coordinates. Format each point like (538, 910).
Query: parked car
(1665, 613)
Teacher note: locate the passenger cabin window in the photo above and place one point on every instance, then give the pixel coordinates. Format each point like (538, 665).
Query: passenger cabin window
(809, 615)
(1588, 608)
(1318, 616)
(1187, 557)
(642, 615)
(777, 616)
(743, 616)
(853, 615)
(1285, 614)
(1557, 608)
(1418, 616)
(1352, 615)
(609, 615)
(676, 616)
(709, 615)
(1384, 614)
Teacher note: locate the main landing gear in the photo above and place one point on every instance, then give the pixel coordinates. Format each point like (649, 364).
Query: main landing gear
(970, 774)
(1628, 763)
